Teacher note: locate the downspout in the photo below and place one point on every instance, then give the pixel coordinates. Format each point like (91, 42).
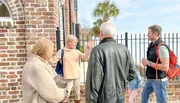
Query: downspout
(59, 20)
(64, 25)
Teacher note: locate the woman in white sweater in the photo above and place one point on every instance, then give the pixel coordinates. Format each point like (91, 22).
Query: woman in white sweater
(39, 80)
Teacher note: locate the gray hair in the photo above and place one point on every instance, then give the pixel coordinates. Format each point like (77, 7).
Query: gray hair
(71, 38)
(108, 29)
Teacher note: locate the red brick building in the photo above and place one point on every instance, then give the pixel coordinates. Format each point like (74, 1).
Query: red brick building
(22, 22)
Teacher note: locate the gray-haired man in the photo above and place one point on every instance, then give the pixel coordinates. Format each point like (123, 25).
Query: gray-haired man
(110, 68)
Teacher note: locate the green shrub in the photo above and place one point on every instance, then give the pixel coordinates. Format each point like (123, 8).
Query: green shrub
(81, 49)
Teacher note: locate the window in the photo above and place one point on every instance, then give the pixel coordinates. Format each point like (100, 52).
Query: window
(73, 28)
(4, 11)
(75, 5)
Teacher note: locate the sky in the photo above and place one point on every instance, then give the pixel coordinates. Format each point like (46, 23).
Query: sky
(136, 15)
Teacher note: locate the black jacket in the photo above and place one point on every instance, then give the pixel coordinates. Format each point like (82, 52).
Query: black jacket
(110, 68)
(151, 56)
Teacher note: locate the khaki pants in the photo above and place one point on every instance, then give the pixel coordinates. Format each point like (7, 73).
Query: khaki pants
(73, 83)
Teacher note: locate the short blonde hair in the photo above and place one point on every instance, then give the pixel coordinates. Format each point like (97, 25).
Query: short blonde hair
(42, 47)
(71, 38)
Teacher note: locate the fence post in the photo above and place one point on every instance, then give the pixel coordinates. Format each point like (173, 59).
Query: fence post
(126, 39)
(58, 39)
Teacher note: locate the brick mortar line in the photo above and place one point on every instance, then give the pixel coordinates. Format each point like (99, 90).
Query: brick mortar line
(10, 70)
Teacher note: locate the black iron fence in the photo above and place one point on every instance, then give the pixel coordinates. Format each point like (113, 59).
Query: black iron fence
(137, 45)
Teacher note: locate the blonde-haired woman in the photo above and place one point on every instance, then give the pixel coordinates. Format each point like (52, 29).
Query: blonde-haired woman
(39, 80)
(71, 61)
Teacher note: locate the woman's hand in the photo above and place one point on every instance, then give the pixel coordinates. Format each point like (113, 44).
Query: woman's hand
(66, 93)
(90, 45)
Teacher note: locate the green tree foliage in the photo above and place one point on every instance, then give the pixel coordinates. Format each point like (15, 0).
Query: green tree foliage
(96, 26)
(81, 49)
(104, 11)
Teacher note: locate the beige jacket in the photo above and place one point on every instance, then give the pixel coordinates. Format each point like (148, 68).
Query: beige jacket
(71, 62)
(39, 82)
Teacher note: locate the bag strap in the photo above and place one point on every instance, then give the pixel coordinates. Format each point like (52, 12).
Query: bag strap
(157, 53)
(62, 55)
(157, 49)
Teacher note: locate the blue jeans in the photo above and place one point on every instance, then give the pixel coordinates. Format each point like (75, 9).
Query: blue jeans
(156, 86)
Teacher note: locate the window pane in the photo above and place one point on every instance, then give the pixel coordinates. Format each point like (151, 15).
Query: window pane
(75, 5)
(4, 11)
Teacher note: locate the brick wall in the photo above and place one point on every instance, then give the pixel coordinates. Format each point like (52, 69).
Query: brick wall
(31, 20)
(41, 20)
(70, 15)
(67, 24)
(12, 53)
(173, 94)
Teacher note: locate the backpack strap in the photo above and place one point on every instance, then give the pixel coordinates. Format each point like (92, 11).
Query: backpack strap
(157, 49)
(62, 55)
(157, 53)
